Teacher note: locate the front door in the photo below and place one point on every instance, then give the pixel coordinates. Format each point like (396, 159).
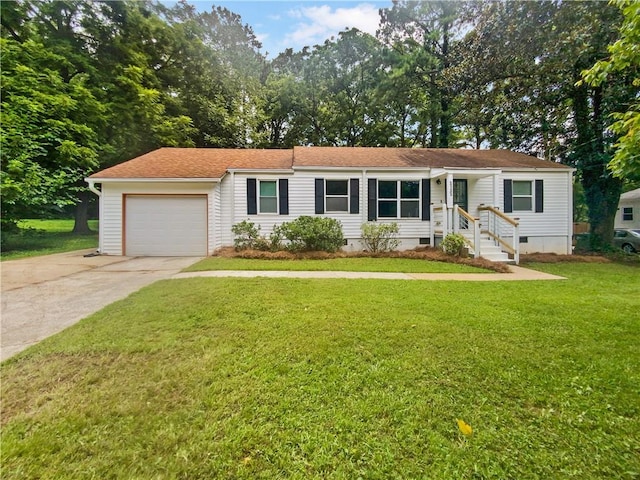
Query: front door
(460, 196)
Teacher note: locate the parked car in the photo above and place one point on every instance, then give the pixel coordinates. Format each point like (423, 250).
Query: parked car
(627, 239)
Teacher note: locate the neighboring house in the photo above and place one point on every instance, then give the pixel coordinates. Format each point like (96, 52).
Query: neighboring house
(628, 215)
(184, 201)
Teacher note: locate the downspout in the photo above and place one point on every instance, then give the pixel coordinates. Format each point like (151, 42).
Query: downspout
(364, 203)
(570, 213)
(92, 187)
(233, 203)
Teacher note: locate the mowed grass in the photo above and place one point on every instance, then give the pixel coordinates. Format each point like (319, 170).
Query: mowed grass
(337, 379)
(44, 237)
(352, 264)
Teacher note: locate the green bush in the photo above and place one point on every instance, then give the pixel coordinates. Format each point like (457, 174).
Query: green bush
(309, 234)
(453, 244)
(247, 235)
(379, 237)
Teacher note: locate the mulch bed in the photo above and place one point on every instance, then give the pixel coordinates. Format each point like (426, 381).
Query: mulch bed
(436, 255)
(423, 253)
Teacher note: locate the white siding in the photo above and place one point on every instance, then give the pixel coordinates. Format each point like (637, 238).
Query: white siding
(480, 192)
(634, 205)
(551, 230)
(111, 219)
(302, 202)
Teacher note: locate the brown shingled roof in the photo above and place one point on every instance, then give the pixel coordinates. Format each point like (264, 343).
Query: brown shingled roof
(214, 162)
(197, 163)
(415, 158)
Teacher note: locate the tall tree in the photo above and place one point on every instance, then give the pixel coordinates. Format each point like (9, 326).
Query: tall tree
(624, 58)
(525, 59)
(46, 139)
(425, 34)
(149, 76)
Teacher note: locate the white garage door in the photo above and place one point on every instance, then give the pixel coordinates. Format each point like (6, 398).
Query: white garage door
(166, 225)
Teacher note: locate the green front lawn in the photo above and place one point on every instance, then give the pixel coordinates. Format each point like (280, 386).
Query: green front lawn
(337, 379)
(44, 237)
(352, 264)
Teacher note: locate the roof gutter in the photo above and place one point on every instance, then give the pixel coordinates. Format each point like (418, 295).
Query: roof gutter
(265, 171)
(92, 186)
(153, 180)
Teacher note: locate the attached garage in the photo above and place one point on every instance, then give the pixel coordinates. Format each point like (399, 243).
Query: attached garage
(165, 225)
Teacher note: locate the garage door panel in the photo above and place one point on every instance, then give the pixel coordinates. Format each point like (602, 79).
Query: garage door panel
(166, 225)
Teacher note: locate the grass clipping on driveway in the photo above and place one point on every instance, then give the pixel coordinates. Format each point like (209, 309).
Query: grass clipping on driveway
(288, 378)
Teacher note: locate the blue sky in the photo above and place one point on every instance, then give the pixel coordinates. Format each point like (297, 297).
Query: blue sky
(298, 23)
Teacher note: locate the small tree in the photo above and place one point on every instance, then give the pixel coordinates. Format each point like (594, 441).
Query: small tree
(379, 237)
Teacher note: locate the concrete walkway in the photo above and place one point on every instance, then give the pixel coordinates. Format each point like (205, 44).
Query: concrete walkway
(516, 274)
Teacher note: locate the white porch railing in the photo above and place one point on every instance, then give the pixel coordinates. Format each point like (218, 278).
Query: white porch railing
(498, 227)
(439, 223)
(469, 227)
(503, 229)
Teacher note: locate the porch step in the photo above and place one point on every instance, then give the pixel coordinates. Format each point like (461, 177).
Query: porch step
(490, 251)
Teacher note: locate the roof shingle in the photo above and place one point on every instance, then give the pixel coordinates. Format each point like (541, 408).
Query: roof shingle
(215, 162)
(197, 163)
(415, 158)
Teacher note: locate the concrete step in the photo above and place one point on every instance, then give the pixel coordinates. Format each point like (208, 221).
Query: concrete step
(497, 257)
(490, 251)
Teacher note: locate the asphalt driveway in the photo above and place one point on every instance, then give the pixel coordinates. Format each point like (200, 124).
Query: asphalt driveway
(44, 295)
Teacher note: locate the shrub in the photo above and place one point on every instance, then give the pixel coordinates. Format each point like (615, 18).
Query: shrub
(306, 234)
(247, 235)
(453, 244)
(380, 237)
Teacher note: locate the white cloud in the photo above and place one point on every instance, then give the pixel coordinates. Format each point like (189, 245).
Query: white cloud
(318, 23)
(262, 37)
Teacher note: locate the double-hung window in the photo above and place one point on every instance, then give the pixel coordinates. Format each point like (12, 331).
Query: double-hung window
(627, 214)
(522, 196)
(337, 196)
(268, 196)
(398, 198)
(268, 200)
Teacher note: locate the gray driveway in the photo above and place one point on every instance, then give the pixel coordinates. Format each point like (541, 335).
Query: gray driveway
(44, 295)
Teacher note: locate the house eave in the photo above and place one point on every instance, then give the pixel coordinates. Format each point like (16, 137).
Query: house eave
(262, 171)
(360, 168)
(538, 169)
(153, 180)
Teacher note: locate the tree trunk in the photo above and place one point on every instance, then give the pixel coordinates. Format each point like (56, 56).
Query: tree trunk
(81, 214)
(445, 122)
(601, 188)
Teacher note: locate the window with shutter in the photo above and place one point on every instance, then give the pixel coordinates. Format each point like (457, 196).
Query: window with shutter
(399, 199)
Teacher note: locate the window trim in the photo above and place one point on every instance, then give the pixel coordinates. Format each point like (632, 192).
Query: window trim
(259, 196)
(399, 199)
(627, 214)
(530, 196)
(346, 196)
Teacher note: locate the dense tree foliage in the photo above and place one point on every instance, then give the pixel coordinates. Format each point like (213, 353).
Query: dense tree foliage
(624, 57)
(89, 84)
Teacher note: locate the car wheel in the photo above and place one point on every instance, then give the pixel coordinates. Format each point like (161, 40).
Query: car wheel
(628, 248)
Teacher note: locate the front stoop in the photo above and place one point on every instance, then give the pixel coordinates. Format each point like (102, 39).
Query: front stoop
(490, 251)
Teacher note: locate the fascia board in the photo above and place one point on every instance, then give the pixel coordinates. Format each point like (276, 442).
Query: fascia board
(151, 180)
